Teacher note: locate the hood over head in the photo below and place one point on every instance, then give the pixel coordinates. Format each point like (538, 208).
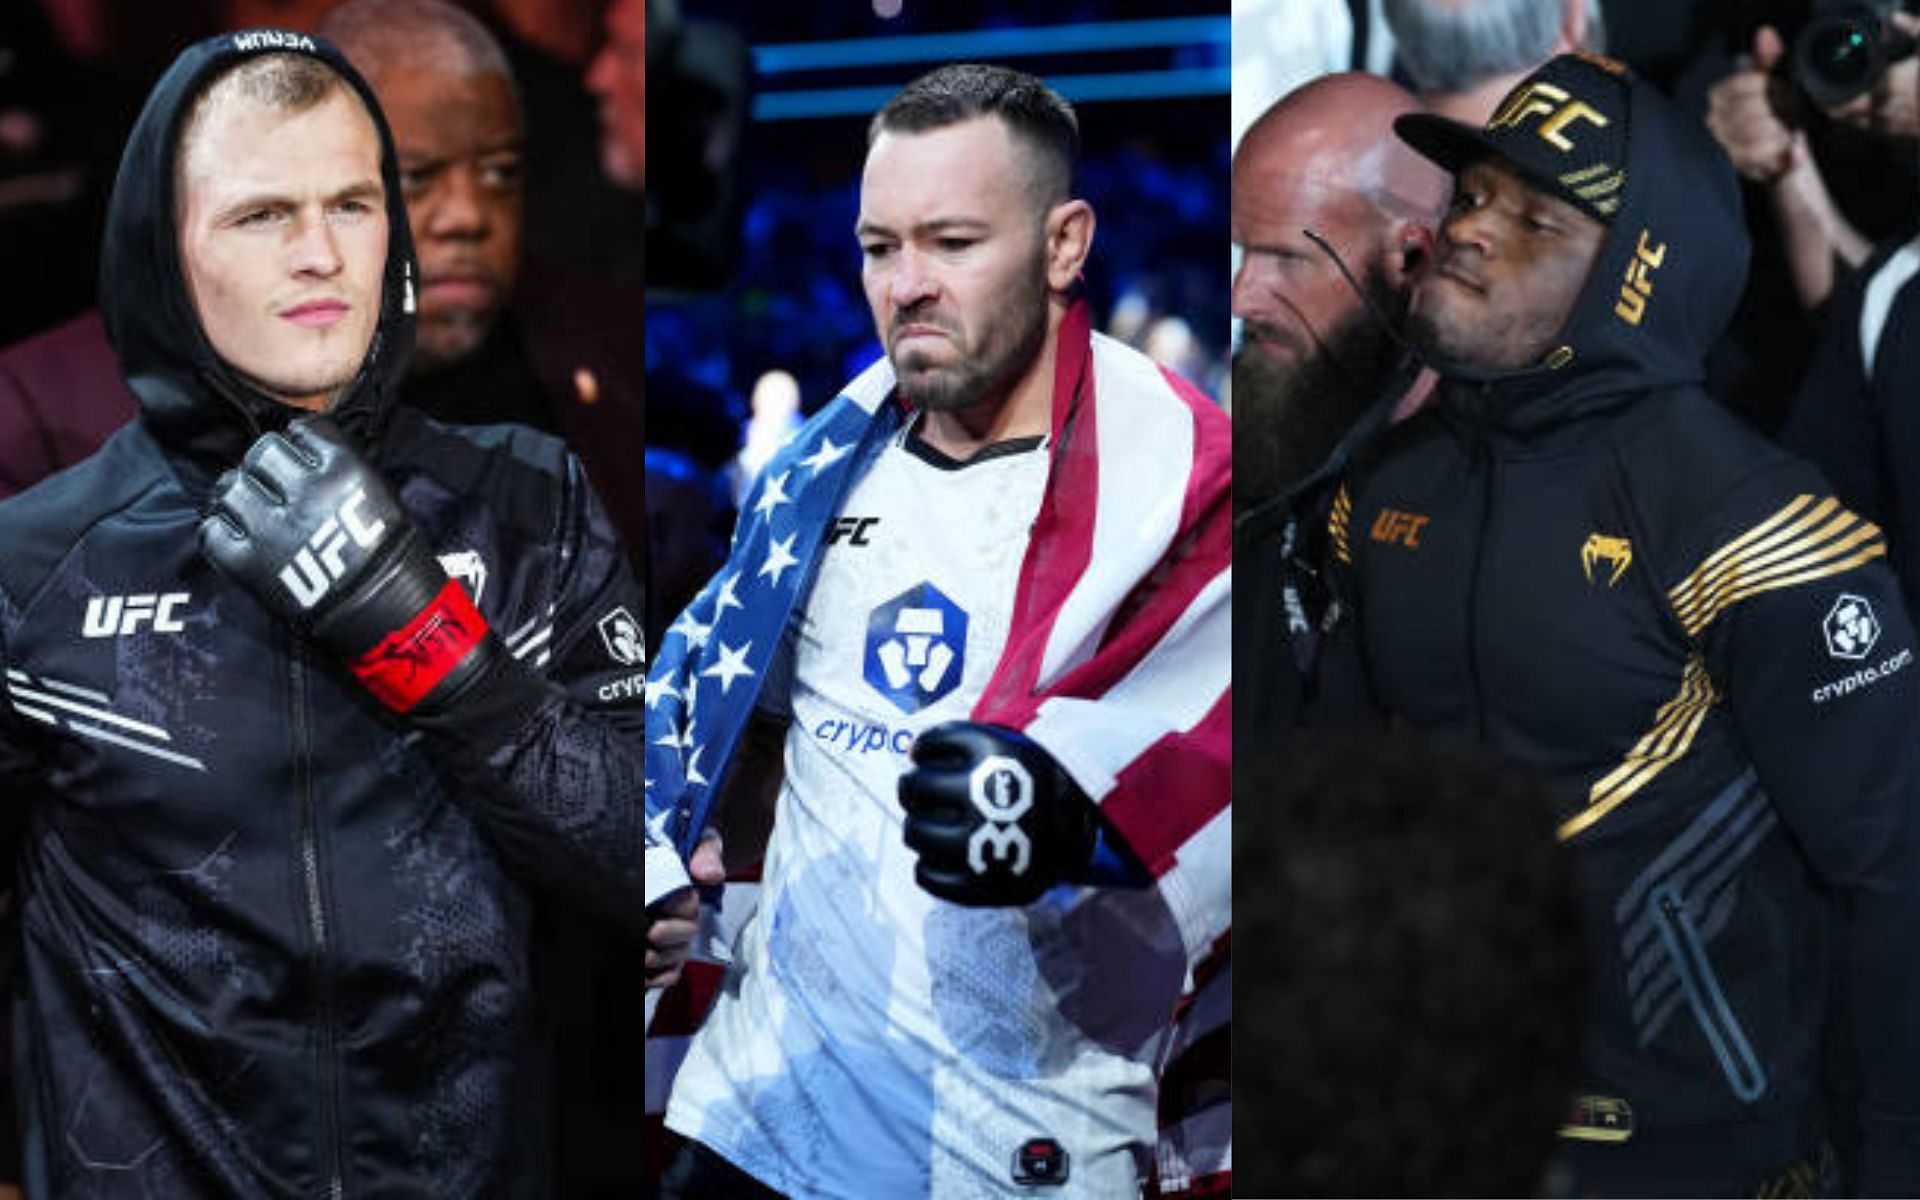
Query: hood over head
(189, 397)
(1670, 268)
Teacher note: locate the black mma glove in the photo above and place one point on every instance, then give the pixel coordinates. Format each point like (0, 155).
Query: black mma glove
(995, 820)
(316, 535)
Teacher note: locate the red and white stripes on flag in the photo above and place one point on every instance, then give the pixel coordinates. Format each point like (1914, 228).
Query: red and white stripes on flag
(1118, 660)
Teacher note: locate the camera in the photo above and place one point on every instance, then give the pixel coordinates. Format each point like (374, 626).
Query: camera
(1845, 47)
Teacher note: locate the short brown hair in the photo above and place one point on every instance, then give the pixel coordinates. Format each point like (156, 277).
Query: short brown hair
(1035, 113)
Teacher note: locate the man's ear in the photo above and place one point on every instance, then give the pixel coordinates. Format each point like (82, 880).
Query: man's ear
(1573, 27)
(1069, 232)
(1410, 251)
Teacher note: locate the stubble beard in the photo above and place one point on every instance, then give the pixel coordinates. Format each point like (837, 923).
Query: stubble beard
(1009, 344)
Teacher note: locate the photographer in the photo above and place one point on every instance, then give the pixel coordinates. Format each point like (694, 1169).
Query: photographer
(1761, 115)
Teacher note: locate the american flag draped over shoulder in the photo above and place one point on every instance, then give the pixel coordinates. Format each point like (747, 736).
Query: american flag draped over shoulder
(1118, 660)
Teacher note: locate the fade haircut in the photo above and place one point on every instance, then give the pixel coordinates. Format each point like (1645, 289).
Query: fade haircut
(379, 36)
(1038, 118)
(281, 80)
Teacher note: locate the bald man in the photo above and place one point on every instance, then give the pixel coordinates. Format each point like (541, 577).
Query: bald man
(1314, 359)
(1323, 159)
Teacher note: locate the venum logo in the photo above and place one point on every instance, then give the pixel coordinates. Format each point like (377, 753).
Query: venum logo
(119, 616)
(321, 563)
(1850, 628)
(1002, 792)
(1615, 552)
(469, 569)
(272, 39)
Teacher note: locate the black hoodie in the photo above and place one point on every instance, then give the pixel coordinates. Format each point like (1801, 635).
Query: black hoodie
(276, 938)
(1590, 566)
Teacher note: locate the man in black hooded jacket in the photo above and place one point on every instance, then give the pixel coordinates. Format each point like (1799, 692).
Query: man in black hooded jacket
(298, 713)
(1578, 559)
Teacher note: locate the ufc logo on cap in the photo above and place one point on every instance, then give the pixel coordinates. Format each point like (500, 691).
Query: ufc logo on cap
(321, 562)
(1555, 105)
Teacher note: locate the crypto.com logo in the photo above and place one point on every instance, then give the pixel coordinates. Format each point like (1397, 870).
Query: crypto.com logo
(916, 648)
(1850, 628)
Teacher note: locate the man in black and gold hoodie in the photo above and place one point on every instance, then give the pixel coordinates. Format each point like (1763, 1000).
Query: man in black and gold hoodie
(1578, 559)
(307, 698)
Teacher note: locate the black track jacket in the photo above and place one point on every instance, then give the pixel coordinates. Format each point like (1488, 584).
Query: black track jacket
(1597, 570)
(276, 938)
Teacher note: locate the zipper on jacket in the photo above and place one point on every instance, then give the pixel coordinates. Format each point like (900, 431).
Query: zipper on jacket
(1479, 450)
(1738, 1063)
(314, 894)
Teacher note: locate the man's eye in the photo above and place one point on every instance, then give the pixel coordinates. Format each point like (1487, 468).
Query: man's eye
(1466, 201)
(353, 210)
(1536, 225)
(876, 250)
(954, 245)
(502, 175)
(257, 217)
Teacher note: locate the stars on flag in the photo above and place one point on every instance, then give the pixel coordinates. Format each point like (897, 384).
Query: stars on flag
(732, 666)
(824, 455)
(773, 495)
(779, 557)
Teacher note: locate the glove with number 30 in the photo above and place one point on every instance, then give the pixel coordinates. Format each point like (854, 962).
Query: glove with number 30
(994, 818)
(313, 531)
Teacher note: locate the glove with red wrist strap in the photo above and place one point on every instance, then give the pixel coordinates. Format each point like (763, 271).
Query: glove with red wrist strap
(314, 532)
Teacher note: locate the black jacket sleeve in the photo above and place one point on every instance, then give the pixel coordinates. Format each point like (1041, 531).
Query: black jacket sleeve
(552, 763)
(1825, 691)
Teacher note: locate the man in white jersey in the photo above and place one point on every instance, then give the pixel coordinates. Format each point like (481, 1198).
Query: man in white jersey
(1000, 680)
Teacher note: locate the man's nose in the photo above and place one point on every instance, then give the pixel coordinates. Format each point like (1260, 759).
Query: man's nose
(316, 249)
(1253, 286)
(913, 279)
(1474, 228)
(457, 209)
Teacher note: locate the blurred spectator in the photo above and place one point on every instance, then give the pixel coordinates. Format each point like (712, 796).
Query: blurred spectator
(618, 79)
(1855, 415)
(1280, 44)
(775, 405)
(1416, 963)
(1463, 55)
(61, 120)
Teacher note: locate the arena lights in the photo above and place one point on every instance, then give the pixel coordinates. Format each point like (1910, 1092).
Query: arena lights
(1211, 34)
